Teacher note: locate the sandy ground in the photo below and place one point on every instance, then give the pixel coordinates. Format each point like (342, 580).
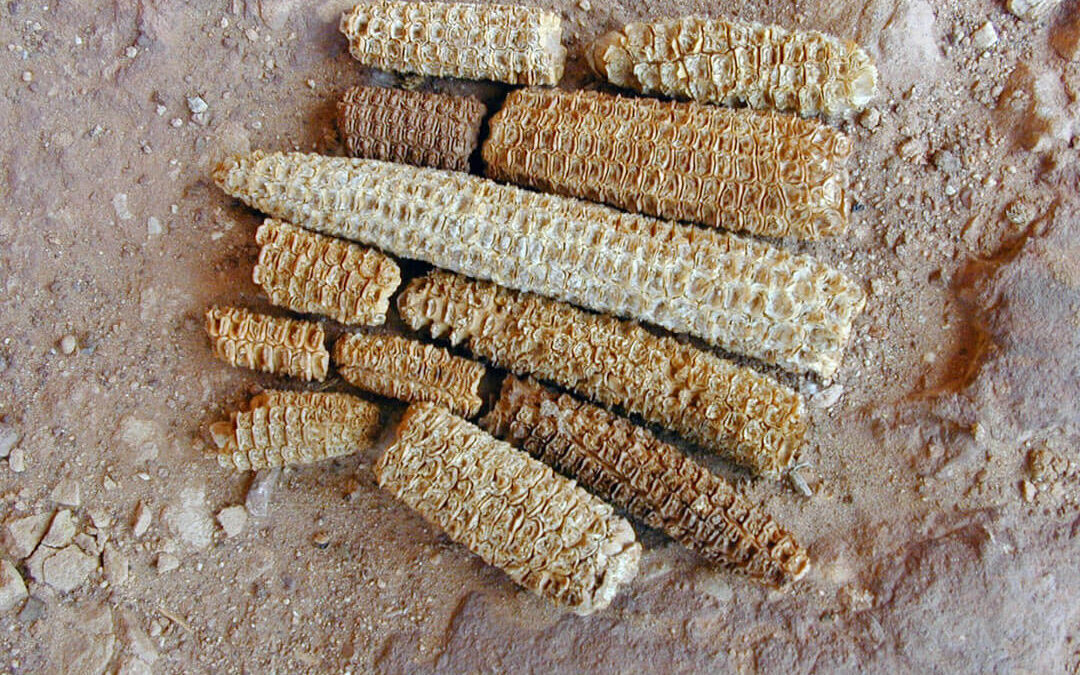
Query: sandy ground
(944, 524)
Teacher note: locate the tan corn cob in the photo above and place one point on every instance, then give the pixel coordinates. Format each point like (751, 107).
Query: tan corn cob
(410, 127)
(743, 415)
(627, 466)
(516, 45)
(742, 295)
(760, 172)
(396, 367)
(549, 535)
(288, 428)
(268, 343)
(310, 273)
(738, 62)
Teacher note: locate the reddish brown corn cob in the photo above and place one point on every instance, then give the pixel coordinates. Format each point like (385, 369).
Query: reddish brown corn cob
(310, 273)
(410, 127)
(516, 45)
(743, 415)
(268, 343)
(735, 62)
(627, 466)
(396, 367)
(549, 535)
(290, 427)
(764, 173)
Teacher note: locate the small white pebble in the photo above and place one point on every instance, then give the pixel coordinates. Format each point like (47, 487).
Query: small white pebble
(984, 38)
(177, 122)
(167, 562)
(153, 226)
(17, 460)
(68, 344)
(197, 105)
(27, 76)
(131, 52)
(161, 110)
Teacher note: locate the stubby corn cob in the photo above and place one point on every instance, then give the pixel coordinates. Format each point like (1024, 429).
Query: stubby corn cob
(410, 127)
(516, 45)
(742, 295)
(310, 273)
(627, 466)
(745, 416)
(396, 367)
(268, 343)
(549, 535)
(734, 62)
(288, 428)
(760, 172)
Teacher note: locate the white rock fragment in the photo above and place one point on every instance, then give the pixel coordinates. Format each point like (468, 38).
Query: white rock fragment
(142, 437)
(9, 438)
(197, 105)
(984, 38)
(67, 493)
(141, 523)
(260, 492)
(69, 344)
(23, 534)
(189, 518)
(100, 517)
(153, 226)
(115, 564)
(134, 666)
(68, 569)
(827, 397)
(138, 641)
(161, 110)
(1028, 491)
(120, 205)
(17, 460)
(715, 585)
(12, 586)
(167, 562)
(1032, 10)
(131, 52)
(232, 520)
(61, 531)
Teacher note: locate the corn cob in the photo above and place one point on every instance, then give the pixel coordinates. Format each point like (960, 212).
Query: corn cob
(288, 428)
(310, 273)
(516, 45)
(627, 466)
(267, 343)
(396, 367)
(765, 173)
(549, 535)
(738, 62)
(742, 295)
(410, 127)
(743, 415)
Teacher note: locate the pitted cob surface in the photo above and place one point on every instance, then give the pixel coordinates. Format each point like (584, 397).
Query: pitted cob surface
(268, 343)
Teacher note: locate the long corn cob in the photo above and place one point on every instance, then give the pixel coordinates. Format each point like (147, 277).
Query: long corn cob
(396, 367)
(516, 45)
(733, 62)
(310, 273)
(743, 295)
(627, 466)
(747, 417)
(288, 428)
(268, 343)
(765, 173)
(410, 127)
(549, 535)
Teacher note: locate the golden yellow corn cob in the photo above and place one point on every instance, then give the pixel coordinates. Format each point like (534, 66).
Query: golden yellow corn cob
(760, 172)
(396, 367)
(288, 428)
(310, 273)
(268, 343)
(549, 535)
(516, 45)
(736, 62)
(627, 466)
(743, 415)
(410, 127)
(742, 295)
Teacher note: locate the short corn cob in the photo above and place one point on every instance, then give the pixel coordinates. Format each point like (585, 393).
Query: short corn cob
(743, 295)
(410, 127)
(396, 367)
(627, 466)
(736, 62)
(745, 416)
(765, 173)
(288, 428)
(268, 343)
(549, 535)
(310, 273)
(516, 45)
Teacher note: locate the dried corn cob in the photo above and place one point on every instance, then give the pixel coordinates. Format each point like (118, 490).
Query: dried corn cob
(627, 466)
(549, 535)
(307, 272)
(288, 428)
(735, 62)
(268, 343)
(410, 127)
(745, 416)
(516, 45)
(765, 173)
(743, 295)
(396, 367)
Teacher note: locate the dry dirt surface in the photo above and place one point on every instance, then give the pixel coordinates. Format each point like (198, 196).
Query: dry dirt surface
(944, 523)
